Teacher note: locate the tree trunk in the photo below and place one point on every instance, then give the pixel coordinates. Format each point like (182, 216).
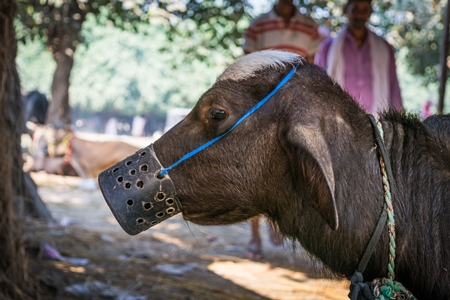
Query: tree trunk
(59, 109)
(14, 280)
(62, 38)
(27, 201)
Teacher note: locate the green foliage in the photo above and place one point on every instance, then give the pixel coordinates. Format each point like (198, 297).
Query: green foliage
(35, 66)
(117, 71)
(417, 26)
(175, 56)
(414, 92)
(210, 24)
(204, 25)
(44, 18)
(124, 72)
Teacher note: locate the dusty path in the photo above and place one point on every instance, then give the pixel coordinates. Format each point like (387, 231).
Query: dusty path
(209, 261)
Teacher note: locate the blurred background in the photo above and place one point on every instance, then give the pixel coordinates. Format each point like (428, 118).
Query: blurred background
(135, 60)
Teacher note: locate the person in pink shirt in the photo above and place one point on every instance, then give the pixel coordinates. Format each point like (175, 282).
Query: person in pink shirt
(362, 62)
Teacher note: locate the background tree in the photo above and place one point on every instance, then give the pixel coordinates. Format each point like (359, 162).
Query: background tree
(151, 80)
(417, 26)
(59, 24)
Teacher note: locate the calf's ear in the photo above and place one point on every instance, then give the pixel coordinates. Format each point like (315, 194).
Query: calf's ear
(313, 161)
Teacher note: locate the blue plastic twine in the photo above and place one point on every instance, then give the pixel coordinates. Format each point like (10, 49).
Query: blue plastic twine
(164, 171)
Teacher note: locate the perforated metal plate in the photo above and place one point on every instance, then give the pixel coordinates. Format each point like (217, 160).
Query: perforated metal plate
(134, 193)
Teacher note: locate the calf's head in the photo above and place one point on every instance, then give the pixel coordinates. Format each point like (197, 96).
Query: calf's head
(274, 162)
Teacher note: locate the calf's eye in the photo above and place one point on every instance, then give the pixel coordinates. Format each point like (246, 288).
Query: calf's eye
(218, 114)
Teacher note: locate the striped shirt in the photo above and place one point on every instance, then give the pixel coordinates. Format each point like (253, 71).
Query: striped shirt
(269, 31)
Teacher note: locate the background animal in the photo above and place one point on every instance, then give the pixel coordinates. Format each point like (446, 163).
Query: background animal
(308, 161)
(34, 106)
(56, 147)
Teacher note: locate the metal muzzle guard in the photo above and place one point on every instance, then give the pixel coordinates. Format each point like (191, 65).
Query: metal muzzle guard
(138, 197)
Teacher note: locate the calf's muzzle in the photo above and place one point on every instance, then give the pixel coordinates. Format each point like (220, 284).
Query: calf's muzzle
(135, 192)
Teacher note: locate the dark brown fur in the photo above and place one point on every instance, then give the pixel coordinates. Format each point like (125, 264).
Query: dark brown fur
(307, 160)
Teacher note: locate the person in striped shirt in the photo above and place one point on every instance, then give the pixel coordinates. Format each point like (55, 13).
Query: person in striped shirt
(282, 28)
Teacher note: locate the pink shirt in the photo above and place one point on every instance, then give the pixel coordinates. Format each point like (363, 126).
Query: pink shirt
(357, 78)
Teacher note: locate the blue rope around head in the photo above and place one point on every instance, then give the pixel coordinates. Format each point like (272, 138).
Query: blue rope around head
(164, 171)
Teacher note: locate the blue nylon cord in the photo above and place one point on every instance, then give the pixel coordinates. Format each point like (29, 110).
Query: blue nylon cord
(164, 171)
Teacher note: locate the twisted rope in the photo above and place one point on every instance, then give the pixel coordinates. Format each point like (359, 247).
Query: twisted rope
(389, 210)
(381, 288)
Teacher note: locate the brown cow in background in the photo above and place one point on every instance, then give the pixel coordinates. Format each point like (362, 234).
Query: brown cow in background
(56, 149)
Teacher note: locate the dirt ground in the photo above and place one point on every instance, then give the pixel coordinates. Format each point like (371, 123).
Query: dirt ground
(173, 260)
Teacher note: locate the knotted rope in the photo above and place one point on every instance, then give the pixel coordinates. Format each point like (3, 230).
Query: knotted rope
(385, 288)
(382, 288)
